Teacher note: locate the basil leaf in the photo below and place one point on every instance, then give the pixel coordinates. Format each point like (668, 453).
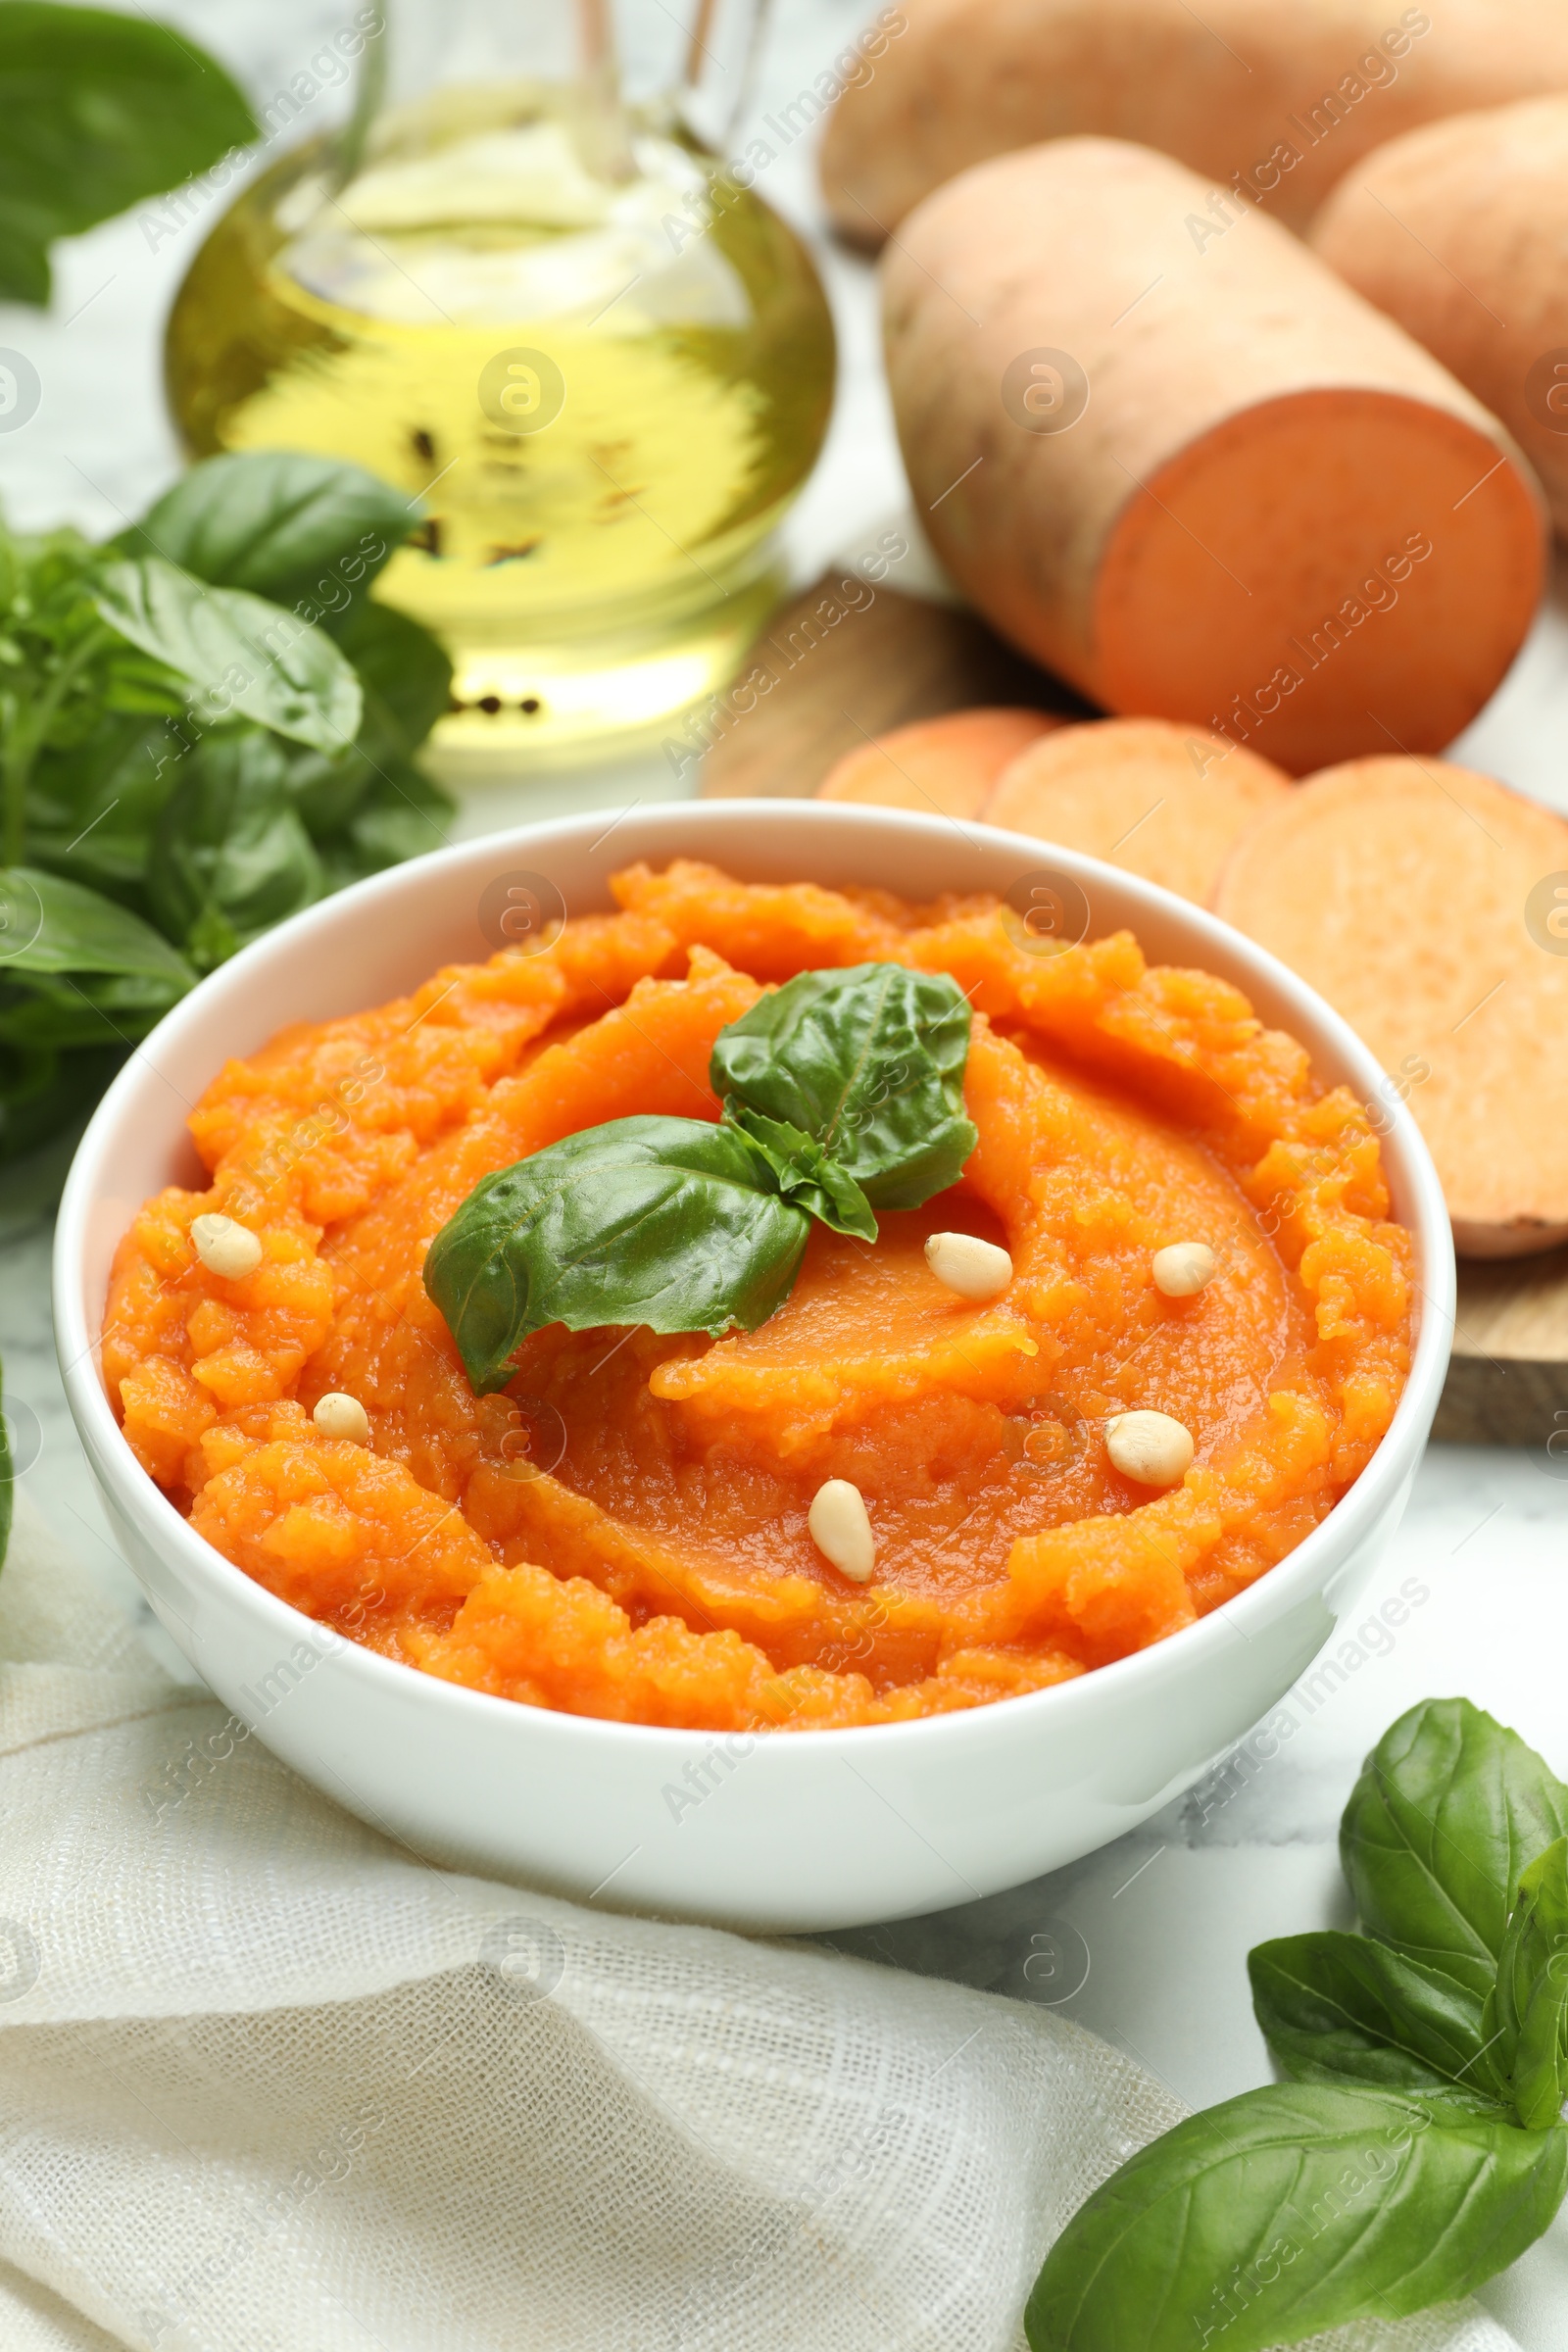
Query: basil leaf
(240, 652)
(371, 807)
(401, 814)
(1338, 2008)
(868, 1061)
(406, 675)
(363, 814)
(1528, 2006)
(1289, 2210)
(805, 1174)
(99, 109)
(63, 928)
(42, 1093)
(91, 807)
(1449, 1809)
(96, 1008)
(230, 856)
(673, 1223)
(274, 522)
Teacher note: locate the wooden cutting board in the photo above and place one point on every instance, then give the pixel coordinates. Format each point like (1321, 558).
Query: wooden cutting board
(836, 681)
(833, 682)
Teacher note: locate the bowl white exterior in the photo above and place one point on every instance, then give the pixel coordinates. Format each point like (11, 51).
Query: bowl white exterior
(798, 1830)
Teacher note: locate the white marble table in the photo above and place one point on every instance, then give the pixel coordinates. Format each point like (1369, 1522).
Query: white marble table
(1144, 1942)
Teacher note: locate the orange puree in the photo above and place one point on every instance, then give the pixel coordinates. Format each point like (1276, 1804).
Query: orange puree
(624, 1531)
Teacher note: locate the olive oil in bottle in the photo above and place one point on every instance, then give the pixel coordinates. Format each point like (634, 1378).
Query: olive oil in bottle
(600, 392)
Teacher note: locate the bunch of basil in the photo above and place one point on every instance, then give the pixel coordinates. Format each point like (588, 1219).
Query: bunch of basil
(1417, 2145)
(205, 725)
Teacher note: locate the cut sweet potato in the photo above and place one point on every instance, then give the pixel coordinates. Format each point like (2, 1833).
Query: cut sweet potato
(1206, 484)
(1165, 802)
(1429, 906)
(1270, 101)
(1460, 230)
(938, 766)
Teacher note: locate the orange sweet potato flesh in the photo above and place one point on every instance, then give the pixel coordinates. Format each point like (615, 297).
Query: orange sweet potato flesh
(1271, 100)
(1165, 802)
(1258, 506)
(1458, 230)
(624, 1532)
(1424, 901)
(938, 766)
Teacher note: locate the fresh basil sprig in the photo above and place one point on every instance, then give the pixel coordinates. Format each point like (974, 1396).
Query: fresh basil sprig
(189, 756)
(841, 1089)
(868, 1060)
(1418, 2145)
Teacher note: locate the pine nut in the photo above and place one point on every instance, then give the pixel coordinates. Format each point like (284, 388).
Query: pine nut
(841, 1530)
(964, 1263)
(337, 1415)
(225, 1247)
(1184, 1269)
(1152, 1448)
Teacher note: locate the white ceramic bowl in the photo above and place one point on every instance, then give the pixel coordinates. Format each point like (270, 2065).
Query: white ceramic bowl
(797, 1829)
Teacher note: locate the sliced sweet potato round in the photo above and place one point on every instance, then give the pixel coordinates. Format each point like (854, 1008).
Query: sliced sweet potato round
(1429, 906)
(938, 766)
(1165, 802)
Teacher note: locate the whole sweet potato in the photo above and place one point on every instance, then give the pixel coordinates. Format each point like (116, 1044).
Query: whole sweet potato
(1460, 232)
(1273, 98)
(1207, 484)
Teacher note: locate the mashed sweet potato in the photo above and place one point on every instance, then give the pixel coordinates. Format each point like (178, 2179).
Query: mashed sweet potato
(624, 1531)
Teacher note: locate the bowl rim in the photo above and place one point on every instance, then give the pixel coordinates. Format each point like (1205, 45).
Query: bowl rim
(1299, 1572)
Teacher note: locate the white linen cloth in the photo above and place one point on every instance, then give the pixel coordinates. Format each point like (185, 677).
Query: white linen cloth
(269, 2084)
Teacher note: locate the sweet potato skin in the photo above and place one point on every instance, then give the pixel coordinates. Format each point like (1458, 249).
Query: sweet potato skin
(1276, 99)
(1253, 444)
(1409, 893)
(1460, 230)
